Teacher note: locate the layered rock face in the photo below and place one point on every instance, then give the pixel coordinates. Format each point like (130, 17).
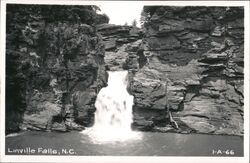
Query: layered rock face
(121, 46)
(55, 67)
(194, 67)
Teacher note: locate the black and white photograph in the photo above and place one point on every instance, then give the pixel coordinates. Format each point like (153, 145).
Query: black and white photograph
(135, 79)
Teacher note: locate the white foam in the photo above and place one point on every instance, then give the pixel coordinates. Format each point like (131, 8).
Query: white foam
(113, 116)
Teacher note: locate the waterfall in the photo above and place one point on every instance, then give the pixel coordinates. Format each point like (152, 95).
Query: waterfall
(113, 116)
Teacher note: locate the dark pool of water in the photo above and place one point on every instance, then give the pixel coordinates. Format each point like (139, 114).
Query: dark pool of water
(151, 144)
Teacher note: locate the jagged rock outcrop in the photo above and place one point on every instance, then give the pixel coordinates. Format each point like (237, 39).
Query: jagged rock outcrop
(194, 67)
(55, 67)
(189, 62)
(121, 45)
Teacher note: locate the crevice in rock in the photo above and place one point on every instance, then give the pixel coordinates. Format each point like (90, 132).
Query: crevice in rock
(196, 115)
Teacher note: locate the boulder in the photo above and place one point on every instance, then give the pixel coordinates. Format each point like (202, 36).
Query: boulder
(60, 127)
(43, 116)
(149, 93)
(110, 44)
(83, 103)
(124, 58)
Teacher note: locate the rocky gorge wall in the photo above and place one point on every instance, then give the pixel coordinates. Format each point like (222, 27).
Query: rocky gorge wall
(121, 46)
(54, 67)
(188, 61)
(195, 62)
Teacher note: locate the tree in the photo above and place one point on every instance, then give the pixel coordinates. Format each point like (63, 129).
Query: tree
(134, 23)
(126, 24)
(101, 19)
(96, 8)
(144, 18)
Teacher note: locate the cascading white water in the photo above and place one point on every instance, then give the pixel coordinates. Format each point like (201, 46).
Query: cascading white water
(113, 116)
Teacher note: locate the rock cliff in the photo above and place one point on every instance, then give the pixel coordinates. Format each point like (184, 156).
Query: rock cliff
(188, 61)
(194, 68)
(55, 66)
(121, 46)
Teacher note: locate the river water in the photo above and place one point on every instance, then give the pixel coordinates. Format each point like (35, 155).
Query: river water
(150, 144)
(111, 134)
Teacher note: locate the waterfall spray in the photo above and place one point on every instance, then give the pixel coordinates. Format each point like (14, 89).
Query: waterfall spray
(113, 116)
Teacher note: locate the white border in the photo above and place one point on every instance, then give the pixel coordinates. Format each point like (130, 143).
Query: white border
(111, 159)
